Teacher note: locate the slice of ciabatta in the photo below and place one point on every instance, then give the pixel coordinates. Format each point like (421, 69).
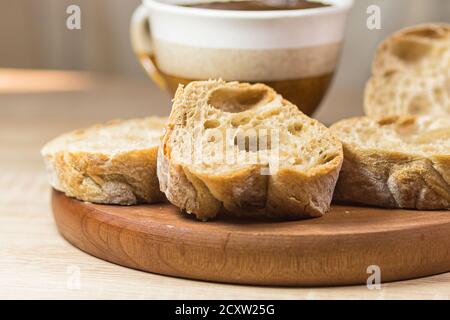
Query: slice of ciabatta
(113, 163)
(411, 73)
(395, 162)
(241, 149)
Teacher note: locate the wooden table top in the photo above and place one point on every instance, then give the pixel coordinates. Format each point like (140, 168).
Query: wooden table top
(37, 263)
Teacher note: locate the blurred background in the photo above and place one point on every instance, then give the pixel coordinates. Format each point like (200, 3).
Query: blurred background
(33, 35)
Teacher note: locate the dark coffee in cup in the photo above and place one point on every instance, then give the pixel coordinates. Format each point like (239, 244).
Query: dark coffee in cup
(262, 5)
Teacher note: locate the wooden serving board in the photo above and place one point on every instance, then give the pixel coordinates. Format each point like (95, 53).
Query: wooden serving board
(336, 249)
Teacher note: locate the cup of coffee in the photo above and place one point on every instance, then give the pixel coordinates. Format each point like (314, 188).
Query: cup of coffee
(290, 45)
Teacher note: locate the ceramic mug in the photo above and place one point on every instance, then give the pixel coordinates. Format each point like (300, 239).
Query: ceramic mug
(294, 51)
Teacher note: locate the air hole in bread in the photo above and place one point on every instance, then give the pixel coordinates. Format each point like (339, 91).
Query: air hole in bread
(244, 143)
(240, 120)
(325, 158)
(237, 100)
(211, 124)
(387, 120)
(184, 120)
(269, 113)
(410, 51)
(420, 104)
(213, 135)
(253, 141)
(389, 73)
(426, 33)
(211, 139)
(406, 126)
(438, 95)
(406, 121)
(295, 127)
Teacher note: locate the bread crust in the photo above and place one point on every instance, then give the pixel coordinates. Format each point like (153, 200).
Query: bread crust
(287, 194)
(391, 178)
(411, 73)
(123, 178)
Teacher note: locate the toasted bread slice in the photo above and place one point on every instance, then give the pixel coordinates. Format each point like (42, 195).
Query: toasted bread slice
(395, 162)
(411, 73)
(241, 149)
(113, 163)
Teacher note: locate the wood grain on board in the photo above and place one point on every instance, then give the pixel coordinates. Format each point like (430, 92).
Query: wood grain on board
(336, 249)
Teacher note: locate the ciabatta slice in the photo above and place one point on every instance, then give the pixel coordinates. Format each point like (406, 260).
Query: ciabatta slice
(411, 73)
(241, 149)
(113, 163)
(395, 162)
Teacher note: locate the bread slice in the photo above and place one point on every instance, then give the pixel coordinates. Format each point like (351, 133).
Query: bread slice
(240, 149)
(411, 73)
(395, 162)
(113, 163)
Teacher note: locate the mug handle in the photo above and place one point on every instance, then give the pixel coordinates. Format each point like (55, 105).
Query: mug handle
(141, 42)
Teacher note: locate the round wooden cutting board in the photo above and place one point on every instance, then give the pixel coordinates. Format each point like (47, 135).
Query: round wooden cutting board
(336, 249)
